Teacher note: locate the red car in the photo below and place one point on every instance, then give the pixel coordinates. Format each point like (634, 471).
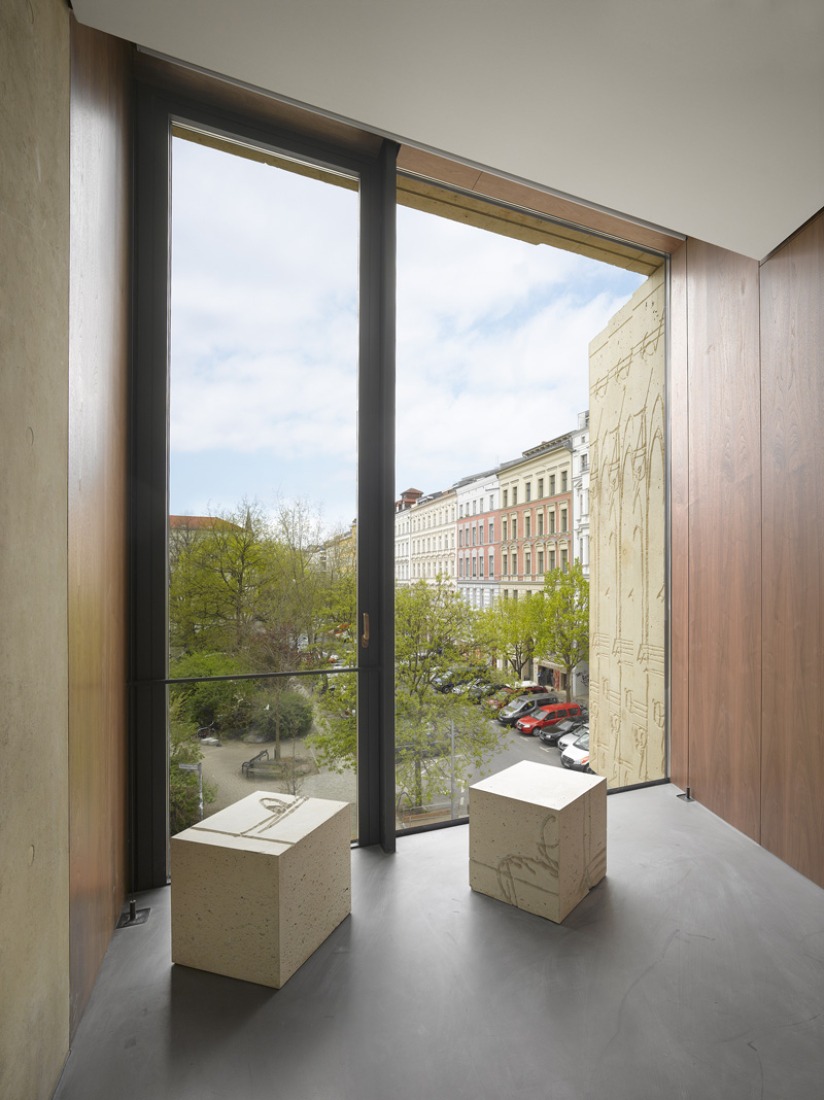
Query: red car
(547, 716)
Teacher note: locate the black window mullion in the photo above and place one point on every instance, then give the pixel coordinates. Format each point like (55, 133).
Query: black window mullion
(376, 494)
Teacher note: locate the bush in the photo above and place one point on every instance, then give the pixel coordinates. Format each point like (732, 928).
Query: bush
(226, 706)
(293, 710)
(184, 787)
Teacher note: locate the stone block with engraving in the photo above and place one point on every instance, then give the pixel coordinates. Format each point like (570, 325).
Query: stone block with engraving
(537, 837)
(257, 887)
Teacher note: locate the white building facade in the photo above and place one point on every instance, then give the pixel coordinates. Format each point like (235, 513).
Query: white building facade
(432, 537)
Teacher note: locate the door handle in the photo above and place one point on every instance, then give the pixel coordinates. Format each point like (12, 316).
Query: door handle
(365, 636)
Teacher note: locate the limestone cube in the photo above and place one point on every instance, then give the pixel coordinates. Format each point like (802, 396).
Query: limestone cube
(257, 887)
(537, 837)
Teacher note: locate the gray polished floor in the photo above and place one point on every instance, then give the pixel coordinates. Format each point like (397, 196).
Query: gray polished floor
(695, 970)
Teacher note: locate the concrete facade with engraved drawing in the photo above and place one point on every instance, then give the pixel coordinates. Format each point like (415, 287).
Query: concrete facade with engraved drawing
(628, 567)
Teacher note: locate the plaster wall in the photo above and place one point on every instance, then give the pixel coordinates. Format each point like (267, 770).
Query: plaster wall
(627, 585)
(34, 276)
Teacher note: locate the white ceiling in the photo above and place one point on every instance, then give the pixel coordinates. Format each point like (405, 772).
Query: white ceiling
(705, 117)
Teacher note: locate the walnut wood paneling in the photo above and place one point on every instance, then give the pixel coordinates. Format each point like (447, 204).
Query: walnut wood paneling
(724, 534)
(488, 185)
(792, 773)
(98, 360)
(678, 423)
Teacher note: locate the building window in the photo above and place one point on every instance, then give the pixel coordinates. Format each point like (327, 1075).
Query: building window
(564, 563)
(563, 481)
(491, 531)
(527, 526)
(504, 563)
(540, 488)
(552, 521)
(514, 495)
(552, 485)
(481, 533)
(515, 564)
(527, 564)
(564, 519)
(491, 565)
(503, 530)
(584, 463)
(540, 523)
(551, 560)
(514, 527)
(481, 566)
(491, 503)
(528, 491)
(540, 561)
(474, 536)
(474, 566)
(505, 498)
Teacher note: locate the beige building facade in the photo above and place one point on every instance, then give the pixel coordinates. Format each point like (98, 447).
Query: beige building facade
(535, 518)
(628, 567)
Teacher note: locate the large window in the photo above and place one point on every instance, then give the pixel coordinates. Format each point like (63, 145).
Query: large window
(309, 680)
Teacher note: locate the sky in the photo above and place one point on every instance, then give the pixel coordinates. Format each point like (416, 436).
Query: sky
(492, 339)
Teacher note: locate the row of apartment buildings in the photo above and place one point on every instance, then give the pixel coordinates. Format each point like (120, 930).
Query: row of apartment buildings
(496, 533)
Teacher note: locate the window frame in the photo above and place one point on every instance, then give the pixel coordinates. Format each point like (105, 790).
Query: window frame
(157, 112)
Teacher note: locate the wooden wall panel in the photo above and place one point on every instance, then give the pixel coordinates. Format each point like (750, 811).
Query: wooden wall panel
(98, 360)
(724, 534)
(792, 774)
(678, 427)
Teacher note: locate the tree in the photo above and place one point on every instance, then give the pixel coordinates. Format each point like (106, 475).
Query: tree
(439, 737)
(215, 584)
(564, 632)
(511, 629)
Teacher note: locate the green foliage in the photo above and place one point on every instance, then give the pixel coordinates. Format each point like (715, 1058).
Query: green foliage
(434, 732)
(511, 629)
(433, 632)
(226, 706)
(440, 738)
(184, 786)
(564, 634)
(335, 736)
(253, 587)
(288, 714)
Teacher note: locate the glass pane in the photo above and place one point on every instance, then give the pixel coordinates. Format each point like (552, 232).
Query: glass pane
(262, 463)
(492, 520)
(229, 738)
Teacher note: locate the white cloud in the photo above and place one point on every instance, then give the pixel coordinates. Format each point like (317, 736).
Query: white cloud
(492, 339)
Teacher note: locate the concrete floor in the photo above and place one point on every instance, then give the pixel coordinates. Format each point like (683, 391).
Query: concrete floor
(695, 970)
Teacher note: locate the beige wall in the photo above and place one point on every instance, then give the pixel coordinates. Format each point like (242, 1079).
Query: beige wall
(627, 506)
(34, 322)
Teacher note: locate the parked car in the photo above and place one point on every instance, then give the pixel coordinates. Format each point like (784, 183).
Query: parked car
(571, 736)
(508, 692)
(547, 717)
(550, 735)
(479, 689)
(576, 755)
(521, 705)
